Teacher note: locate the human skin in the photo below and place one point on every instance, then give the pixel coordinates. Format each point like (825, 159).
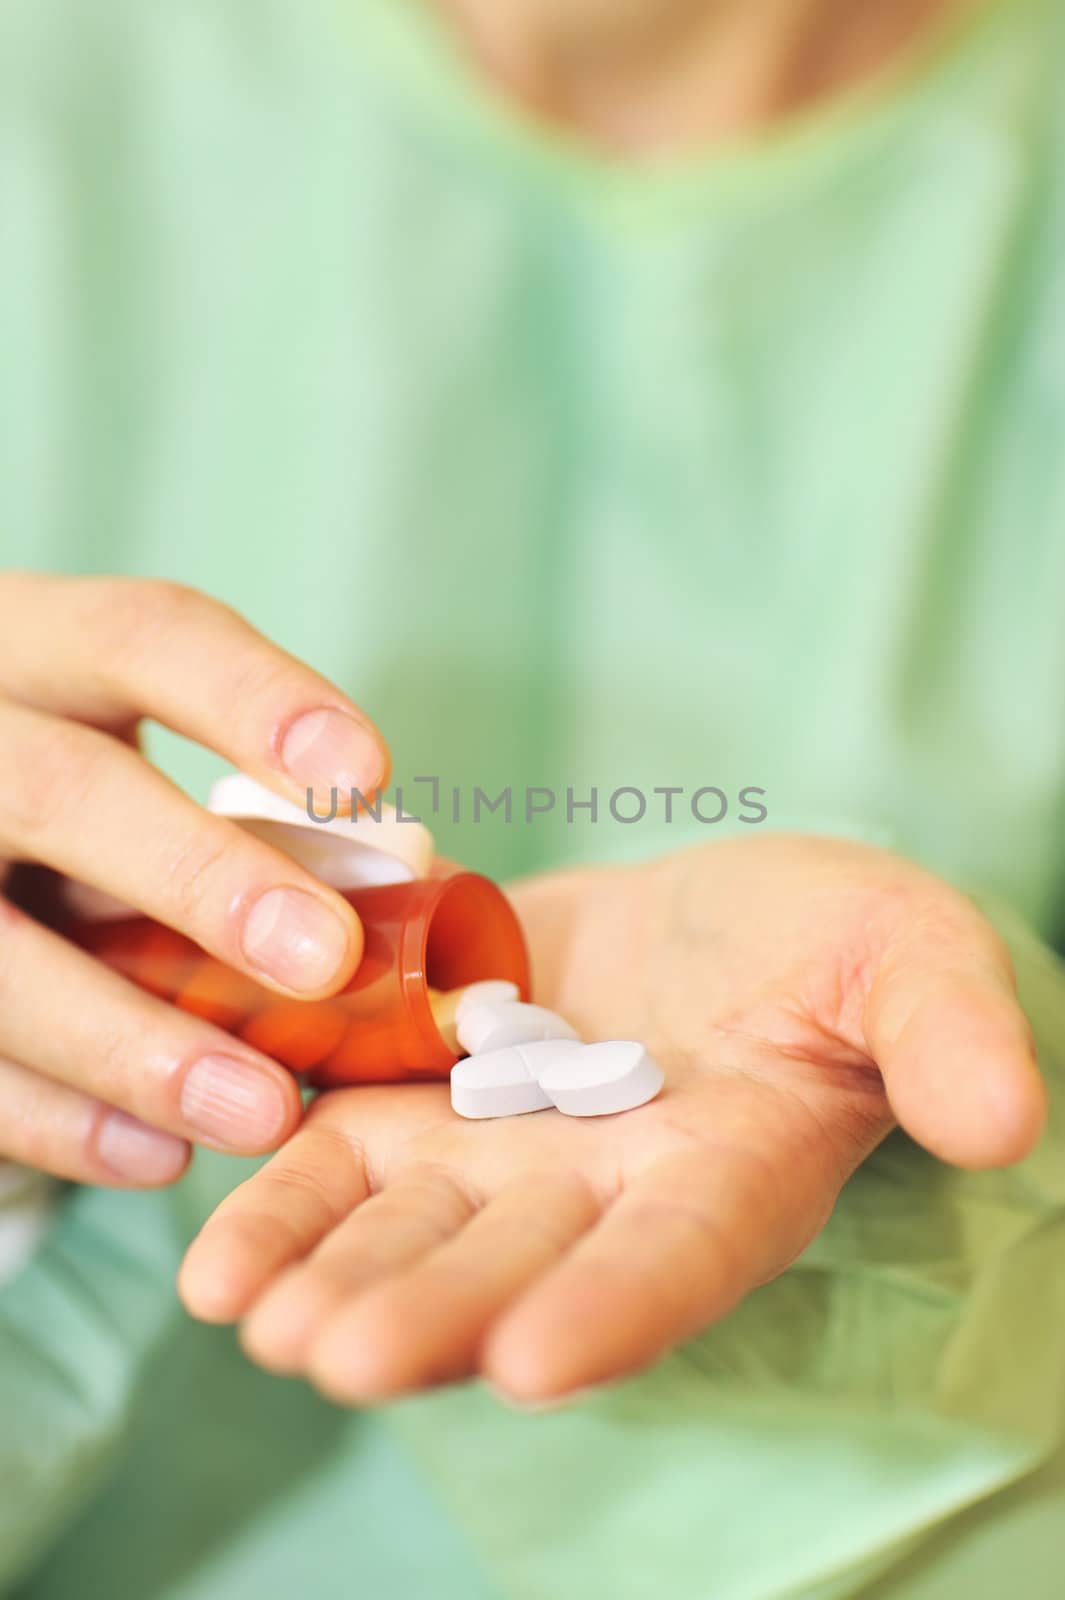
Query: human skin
(111, 1086)
(645, 79)
(804, 995)
(100, 1082)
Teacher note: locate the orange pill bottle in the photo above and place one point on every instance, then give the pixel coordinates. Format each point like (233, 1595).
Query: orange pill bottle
(422, 934)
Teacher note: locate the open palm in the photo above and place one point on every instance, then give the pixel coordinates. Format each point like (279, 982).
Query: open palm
(802, 995)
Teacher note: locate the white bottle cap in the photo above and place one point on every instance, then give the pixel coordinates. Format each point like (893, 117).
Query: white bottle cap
(345, 853)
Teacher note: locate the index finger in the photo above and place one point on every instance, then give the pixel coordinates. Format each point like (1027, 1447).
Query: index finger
(119, 648)
(284, 1209)
(271, 1220)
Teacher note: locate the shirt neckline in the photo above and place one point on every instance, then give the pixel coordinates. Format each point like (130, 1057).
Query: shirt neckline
(416, 49)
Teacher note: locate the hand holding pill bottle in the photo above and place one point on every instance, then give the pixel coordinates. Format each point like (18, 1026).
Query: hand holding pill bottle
(101, 1081)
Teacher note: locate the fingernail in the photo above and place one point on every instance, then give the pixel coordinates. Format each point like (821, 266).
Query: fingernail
(295, 939)
(327, 749)
(233, 1103)
(137, 1153)
(535, 1408)
(551, 1402)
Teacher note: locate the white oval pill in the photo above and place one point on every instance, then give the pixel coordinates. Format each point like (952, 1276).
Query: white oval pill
(493, 1027)
(503, 1083)
(489, 992)
(617, 1075)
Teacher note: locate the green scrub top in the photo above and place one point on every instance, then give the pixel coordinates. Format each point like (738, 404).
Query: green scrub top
(744, 471)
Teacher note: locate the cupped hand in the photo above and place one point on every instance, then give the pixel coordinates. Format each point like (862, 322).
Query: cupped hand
(803, 996)
(100, 1082)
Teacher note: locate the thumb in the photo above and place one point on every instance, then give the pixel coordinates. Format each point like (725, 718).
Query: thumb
(944, 1025)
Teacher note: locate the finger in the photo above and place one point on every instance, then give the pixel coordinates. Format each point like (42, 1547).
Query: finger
(122, 1046)
(55, 1129)
(88, 806)
(272, 1220)
(676, 1252)
(946, 1030)
(120, 648)
(425, 1324)
(381, 1236)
